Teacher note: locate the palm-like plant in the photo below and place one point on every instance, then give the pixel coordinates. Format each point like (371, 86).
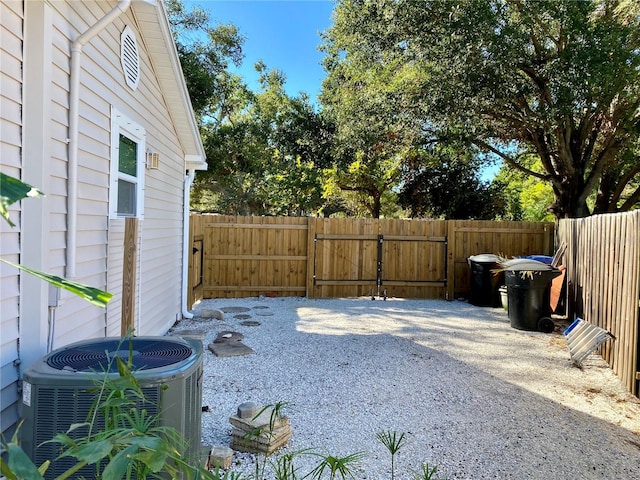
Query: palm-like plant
(393, 442)
(338, 467)
(427, 472)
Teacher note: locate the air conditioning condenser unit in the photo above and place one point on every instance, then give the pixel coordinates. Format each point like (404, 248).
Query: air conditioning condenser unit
(60, 388)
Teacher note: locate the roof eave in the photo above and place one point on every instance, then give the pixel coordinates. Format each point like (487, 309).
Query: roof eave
(166, 63)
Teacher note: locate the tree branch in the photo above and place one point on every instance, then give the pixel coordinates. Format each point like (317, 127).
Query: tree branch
(631, 201)
(510, 160)
(623, 183)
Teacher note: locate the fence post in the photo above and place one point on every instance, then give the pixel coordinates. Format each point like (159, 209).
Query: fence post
(130, 260)
(451, 259)
(311, 235)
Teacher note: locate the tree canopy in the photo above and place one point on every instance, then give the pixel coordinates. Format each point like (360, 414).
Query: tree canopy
(265, 149)
(557, 79)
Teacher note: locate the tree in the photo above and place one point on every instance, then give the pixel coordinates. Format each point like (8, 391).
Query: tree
(265, 154)
(373, 132)
(558, 79)
(526, 198)
(206, 52)
(443, 182)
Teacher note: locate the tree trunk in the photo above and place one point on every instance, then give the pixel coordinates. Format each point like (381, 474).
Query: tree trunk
(567, 199)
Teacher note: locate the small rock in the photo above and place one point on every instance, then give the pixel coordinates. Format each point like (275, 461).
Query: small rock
(226, 337)
(212, 313)
(247, 410)
(220, 457)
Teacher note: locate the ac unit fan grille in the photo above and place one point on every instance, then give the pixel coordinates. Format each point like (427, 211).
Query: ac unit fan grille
(100, 355)
(63, 407)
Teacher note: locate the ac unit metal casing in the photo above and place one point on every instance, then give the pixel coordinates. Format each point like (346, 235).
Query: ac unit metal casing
(59, 389)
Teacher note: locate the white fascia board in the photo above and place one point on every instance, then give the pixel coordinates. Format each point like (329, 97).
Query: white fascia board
(183, 116)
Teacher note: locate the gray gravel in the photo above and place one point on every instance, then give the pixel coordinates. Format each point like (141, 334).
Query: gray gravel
(474, 396)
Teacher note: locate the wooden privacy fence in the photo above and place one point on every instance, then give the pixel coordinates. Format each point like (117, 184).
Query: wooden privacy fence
(234, 256)
(603, 268)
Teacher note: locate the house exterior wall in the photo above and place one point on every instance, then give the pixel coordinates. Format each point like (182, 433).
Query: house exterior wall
(11, 17)
(36, 40)
(100, 238)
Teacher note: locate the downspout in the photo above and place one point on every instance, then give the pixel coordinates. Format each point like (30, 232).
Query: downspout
(74, 111)
(188, 181)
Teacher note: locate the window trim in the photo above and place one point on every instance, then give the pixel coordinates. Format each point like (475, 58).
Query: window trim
(121, 124)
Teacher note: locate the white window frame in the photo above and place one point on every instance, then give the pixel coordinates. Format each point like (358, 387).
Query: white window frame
(121, 124)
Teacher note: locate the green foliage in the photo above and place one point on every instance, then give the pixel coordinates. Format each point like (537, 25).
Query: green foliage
(283, 467)
(373, 135)
(129, 444)
(206, 52)
(393, 443)
(427, 472)
(554, 78)
(265, 154)
(442, 182)
(95, 296)
(337, 467)
(531, 199)
(18, 465)
(12, 191)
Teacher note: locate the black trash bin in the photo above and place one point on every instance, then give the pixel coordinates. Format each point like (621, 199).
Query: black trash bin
(528, 291)
(485, 284)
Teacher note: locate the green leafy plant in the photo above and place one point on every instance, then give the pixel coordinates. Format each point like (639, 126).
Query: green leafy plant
(218, 474)
(13, 190)
(337, 467)
(283, 467)
(427, 472)
(277, 414)
(18, 465)
(393, 442)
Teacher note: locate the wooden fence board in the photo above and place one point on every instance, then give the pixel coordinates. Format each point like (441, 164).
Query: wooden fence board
(603, 268)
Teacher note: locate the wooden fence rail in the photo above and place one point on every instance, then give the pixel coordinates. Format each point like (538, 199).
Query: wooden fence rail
(603, 268)
(236, 256)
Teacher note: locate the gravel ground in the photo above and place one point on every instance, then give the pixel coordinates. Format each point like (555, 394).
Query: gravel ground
(474, 396)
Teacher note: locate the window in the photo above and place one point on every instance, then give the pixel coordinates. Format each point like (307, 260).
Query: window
(127, 167)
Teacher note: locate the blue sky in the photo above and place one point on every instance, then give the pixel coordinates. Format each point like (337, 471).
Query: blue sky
(284, 34)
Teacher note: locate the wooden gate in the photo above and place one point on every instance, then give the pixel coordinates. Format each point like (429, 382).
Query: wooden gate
(355, 257)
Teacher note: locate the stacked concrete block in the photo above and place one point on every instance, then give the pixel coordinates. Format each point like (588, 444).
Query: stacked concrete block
(220, 457)
(258, 430)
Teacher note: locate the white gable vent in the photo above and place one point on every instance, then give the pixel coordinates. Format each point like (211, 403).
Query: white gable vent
(129, 57)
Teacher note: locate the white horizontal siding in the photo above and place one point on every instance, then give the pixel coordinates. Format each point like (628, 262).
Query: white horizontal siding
(99, 241)
(75, 318)
(160, 235)
(114, 276)
(11, 47)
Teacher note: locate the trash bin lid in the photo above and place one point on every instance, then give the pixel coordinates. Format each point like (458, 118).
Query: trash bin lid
(527, 265)
(541, 258)
(485, 258)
